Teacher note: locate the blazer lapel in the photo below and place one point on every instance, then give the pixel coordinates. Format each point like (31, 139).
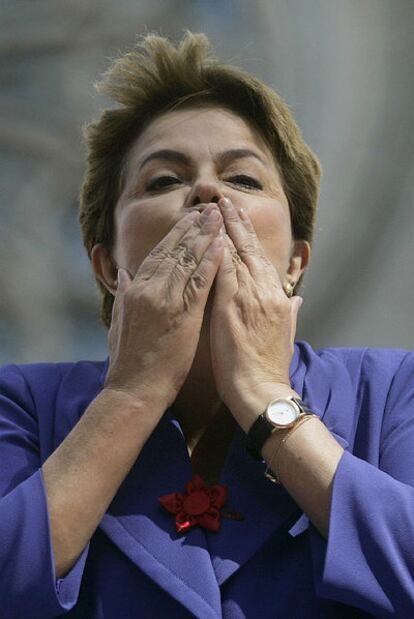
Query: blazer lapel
(267, 509)
(145, 532)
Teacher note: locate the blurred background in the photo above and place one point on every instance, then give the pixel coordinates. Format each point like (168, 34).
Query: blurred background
(345, 68)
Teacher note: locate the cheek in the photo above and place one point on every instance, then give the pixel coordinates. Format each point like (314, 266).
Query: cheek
(273, 228)
(137, 231)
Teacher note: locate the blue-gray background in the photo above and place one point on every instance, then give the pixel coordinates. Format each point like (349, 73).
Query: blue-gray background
(345, 67)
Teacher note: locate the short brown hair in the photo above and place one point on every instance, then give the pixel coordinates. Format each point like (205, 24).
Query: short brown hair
(158, 76)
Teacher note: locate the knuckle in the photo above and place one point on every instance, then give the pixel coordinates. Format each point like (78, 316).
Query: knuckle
(178, 276)
(187, 259)
(158, 253)
(189, 298)
(192, 290)
(199, 280)
(176, 252)
(236, 259)
(228, 268)
(141, 296)
(280, 305)
(247, 248)
(180, 254)
(179, 247)
(145, 297)
(233, 217)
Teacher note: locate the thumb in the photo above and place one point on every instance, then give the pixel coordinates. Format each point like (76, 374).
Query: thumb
(124, 280)
(296, 304)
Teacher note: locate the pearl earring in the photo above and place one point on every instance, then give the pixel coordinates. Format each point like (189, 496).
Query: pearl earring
(288, 288)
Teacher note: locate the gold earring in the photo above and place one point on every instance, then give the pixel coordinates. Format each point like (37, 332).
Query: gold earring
(288, 288)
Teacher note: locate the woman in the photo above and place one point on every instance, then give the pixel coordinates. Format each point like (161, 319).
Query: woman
(144, 486)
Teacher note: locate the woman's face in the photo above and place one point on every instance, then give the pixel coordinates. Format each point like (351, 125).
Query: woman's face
(188, 158)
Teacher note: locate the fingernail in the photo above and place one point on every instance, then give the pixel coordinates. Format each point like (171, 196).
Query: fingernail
(243, 215)
(226, 203)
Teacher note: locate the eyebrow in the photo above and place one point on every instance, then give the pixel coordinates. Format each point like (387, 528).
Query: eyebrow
(223, 158)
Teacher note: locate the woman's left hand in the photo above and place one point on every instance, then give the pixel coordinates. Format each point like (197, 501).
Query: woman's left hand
(253, 322)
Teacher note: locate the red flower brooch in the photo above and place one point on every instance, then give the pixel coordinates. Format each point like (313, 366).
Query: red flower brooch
(198, 505)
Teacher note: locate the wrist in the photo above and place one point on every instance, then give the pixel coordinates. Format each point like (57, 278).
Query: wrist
(254, 402)
(136, 402)
(273, 447)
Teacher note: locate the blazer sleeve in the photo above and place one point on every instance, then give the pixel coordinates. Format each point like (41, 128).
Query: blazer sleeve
(28, 585)
(368, 560)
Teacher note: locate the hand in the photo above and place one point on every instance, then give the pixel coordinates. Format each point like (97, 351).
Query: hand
(157, 315)
(253, 322)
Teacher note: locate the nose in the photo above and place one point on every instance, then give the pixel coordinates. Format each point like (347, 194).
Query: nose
(204, 192)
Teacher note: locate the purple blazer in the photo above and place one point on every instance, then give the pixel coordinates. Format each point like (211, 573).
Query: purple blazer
(272, 564)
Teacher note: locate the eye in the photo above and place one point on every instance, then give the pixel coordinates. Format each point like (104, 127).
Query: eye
(161, 182)
(246, 181)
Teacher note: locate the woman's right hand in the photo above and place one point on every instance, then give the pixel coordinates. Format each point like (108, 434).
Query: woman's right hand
(157, 314)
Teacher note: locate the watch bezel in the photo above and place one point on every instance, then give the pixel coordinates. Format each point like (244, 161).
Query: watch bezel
(291, 401)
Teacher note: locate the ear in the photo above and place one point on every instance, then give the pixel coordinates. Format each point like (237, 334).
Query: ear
(299, 259)
(104, 267)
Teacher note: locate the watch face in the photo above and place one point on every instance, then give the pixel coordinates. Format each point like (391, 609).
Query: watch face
(282, 412)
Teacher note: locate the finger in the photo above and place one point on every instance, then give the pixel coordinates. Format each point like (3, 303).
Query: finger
(164, 248)
(296, 304)
(241, 231)
(227, 281)
(184, 258)
(200, 281)
(242, 273)
(237, 262)
(124, 280)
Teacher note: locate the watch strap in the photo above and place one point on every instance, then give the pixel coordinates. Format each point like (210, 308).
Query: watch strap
(257, 436)
(303, 406)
